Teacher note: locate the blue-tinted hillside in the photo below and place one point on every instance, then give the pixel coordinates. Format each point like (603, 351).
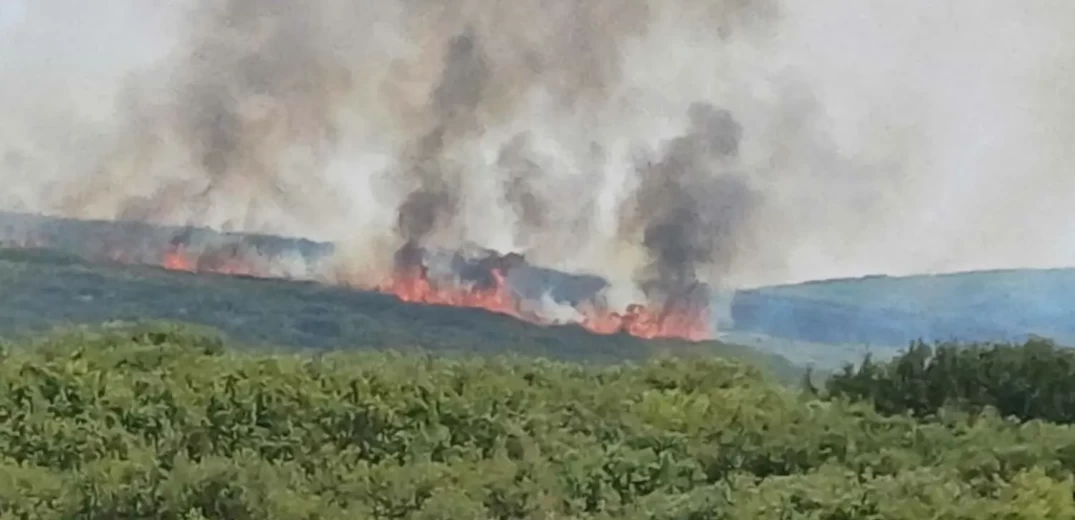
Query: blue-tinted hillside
(988, 305)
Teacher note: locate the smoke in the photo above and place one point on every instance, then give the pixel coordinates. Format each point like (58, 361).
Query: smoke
(662, 145)
(453, 103)
(690, 212)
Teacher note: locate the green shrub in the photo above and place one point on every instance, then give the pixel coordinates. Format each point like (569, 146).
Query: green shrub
(1034, 380)
(162, 422)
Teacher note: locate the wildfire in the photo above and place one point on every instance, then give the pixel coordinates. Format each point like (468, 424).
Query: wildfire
(413, 286)
(640, 321)
(175, 260)
(411, 283)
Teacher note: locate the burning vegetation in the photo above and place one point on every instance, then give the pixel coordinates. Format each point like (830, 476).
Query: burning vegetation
(268, 107)
(473, 278)
(485, 281)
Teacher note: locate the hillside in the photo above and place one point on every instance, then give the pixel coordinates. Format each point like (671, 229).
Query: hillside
(161, 424)
(42, 290)
(886, 313)
(824, 323)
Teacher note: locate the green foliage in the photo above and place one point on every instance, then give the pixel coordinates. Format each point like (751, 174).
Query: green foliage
(1035, 380)
(162, 422)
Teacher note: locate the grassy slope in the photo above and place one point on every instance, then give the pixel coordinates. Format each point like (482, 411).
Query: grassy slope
(42, 290)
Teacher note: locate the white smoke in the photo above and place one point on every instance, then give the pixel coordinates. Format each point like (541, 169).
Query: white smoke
(921, 137)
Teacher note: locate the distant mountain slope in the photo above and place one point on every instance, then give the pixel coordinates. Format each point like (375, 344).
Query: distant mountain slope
(825, 323)
(892, 311)
(40, 290)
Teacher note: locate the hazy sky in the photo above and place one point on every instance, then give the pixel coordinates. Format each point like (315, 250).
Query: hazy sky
(881, 137)
(11, 13)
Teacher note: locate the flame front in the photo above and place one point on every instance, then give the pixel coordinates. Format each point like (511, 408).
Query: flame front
(643, 322)
(411, 283)
(413, 286)
(180, 258)
(174, 260)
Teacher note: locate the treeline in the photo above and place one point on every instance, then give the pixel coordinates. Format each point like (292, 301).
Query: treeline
(164, 423)
(1033, 380)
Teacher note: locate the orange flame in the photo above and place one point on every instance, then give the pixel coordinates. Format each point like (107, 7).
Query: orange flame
(413, 286)
(176, 260)
(179, 259)
(643, 322)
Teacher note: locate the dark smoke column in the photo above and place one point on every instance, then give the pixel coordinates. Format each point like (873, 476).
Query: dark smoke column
(690, 210)
(435, 197)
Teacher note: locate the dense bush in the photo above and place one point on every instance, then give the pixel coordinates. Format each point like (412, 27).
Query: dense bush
(1034, 380)
(162, 423)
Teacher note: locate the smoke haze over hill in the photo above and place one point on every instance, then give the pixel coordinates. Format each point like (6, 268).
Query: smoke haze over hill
(733, 142)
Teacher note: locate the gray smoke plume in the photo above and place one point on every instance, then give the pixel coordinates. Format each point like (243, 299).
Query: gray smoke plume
(255, 86)
(826, 139)
(522, 186)
(453, 102)
(691, 208)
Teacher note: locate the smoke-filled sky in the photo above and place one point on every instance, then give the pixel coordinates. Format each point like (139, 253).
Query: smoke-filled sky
(736, 142)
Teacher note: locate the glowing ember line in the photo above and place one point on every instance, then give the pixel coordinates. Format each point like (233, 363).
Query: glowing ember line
(174, 260)
(413, 285)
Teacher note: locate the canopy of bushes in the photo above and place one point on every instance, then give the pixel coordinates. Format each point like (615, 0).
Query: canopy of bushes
(164, 423)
